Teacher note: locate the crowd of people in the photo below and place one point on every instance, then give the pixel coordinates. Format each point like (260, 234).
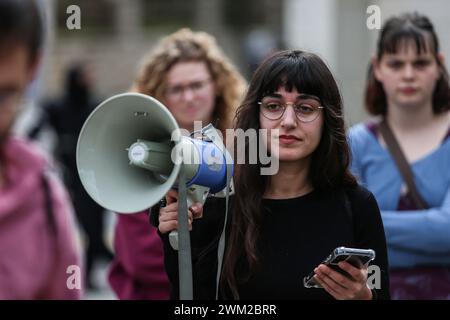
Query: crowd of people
(382, 185)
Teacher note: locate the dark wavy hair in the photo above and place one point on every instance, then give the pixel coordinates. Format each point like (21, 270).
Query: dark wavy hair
(329, 168)
(397, 31)
(21, 22)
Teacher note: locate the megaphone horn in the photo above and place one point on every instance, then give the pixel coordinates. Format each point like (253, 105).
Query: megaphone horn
(129, 121)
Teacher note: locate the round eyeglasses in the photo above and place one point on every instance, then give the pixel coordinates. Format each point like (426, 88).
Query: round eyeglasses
(306, 111)
(175, 92)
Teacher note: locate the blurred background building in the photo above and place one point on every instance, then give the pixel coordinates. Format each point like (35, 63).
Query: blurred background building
(116, 34)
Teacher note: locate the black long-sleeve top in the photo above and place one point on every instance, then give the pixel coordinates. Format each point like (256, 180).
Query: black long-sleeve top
(296, 236)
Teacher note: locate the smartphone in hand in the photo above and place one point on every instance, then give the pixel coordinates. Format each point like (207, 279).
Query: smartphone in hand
(356, 257)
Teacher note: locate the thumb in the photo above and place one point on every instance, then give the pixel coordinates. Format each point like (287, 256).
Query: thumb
(197, 209)
(171, 196)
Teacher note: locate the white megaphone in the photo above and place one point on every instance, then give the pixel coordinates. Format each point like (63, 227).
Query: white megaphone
(130, 151)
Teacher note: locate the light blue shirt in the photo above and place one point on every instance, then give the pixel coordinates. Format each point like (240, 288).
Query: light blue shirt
(420, 237)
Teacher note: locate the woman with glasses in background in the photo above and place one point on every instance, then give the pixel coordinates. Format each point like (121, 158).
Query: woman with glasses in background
(190, 75)
(282, 226)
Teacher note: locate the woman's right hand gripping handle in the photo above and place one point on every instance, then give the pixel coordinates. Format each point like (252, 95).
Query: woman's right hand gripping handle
(168, 215)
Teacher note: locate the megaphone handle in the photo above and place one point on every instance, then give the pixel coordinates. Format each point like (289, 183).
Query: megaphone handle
(173, 235)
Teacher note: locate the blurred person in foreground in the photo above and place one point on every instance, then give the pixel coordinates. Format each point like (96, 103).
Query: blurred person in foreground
(37, 234)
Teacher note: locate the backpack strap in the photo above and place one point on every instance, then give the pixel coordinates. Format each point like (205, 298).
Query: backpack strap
(50, 214)
(49, 210)
(402, 164)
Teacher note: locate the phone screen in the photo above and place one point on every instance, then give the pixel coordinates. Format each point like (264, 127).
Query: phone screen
(356, 261)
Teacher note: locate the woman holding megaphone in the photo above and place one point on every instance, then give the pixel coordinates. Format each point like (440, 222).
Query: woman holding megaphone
(283, 225)
(191, 76)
